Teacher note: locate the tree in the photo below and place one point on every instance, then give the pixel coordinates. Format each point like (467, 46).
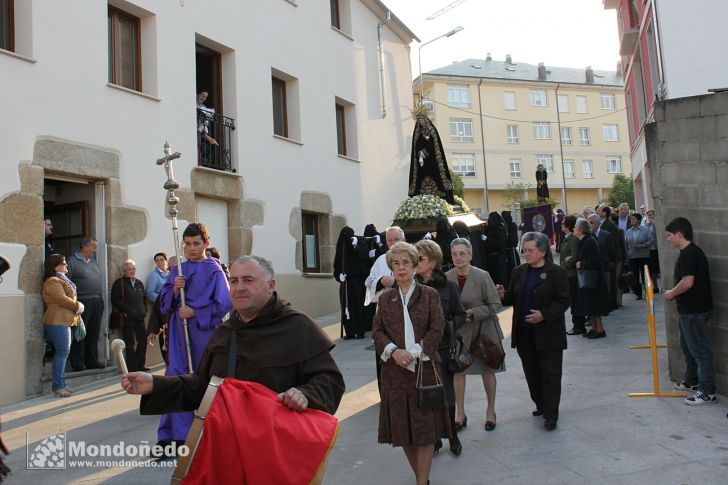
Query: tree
(457, 183)
(622, 191)
(515, 192)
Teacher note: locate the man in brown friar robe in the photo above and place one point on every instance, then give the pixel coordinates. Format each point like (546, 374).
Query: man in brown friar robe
(277, 346)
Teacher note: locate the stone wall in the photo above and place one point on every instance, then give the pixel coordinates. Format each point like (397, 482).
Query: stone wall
(687, 147)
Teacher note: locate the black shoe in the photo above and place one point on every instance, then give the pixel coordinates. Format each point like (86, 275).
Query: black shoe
(347, 337)
(587, 334)
(145, 369)
(462, 424)
(455, 446)
(438, 445)
(576, 331)
(597, 335)
(95, 365)
(359, 336)
(537, 412)
(549, 424)
(78, 368)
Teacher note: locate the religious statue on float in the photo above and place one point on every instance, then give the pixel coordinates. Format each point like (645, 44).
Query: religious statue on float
(429, 173)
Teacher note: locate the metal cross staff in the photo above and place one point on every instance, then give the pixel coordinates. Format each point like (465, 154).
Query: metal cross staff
(172, 200)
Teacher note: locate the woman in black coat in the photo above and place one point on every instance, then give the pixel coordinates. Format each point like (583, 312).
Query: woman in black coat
(445, 235)
(539, 293)
(429, 273)
(512, 257)
(496, 239)
(592, 303)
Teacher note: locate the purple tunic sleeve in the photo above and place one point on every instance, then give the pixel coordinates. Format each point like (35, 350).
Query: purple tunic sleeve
(216, 304)
(168, 302)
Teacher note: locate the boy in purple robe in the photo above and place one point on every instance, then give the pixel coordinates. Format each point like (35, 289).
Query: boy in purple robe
(207, 301)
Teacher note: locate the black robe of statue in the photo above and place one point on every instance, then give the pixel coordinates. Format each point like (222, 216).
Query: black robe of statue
(353, 262)
(280, 348)
(542, 185)
(429, 173)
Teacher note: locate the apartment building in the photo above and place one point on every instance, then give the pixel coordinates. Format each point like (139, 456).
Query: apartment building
(500, 119)
(92, 90)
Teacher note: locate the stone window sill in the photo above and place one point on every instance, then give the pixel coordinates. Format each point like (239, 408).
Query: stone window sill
(217, 172)
(289, 140)
(342, 33)
(351, 159)
(18, 56)
(318, 275)
(131, 91)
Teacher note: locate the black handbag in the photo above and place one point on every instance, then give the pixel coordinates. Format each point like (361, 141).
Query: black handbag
(460, 356)
(430, 396)
(586, 279)
(486, 350)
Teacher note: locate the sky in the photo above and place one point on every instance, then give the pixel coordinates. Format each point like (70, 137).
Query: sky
(563, 33)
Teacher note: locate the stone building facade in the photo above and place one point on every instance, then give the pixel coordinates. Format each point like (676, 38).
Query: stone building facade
(312, 106)
(688, 145)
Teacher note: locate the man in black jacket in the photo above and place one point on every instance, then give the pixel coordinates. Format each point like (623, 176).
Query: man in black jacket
(617, 262)
(129, 297)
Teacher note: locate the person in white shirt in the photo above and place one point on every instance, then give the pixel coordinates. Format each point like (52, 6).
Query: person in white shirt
(380, 278)
(623, 222)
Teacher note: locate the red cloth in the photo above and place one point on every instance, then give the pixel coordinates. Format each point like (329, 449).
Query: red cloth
(250, 437)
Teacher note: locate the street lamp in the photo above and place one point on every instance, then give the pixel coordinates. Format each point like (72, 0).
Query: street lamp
(419, 52)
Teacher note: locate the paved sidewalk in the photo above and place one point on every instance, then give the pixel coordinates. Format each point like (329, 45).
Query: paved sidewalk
(603, 436)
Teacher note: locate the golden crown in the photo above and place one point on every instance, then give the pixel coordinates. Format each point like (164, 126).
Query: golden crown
(419, 110)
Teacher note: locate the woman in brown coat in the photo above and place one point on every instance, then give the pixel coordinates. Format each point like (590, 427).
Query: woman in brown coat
(407, 331)
(59, 294)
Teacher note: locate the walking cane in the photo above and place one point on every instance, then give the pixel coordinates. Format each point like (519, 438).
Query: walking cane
(172, 200)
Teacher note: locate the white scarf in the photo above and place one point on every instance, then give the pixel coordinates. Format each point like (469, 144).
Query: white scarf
(409, 331)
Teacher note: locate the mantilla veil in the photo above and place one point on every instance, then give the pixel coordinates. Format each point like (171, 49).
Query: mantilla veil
(429, 173)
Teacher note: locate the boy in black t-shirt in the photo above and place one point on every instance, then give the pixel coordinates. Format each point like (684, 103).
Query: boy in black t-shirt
(695, 311)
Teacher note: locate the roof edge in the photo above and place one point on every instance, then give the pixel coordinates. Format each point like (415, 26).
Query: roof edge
(380, 10)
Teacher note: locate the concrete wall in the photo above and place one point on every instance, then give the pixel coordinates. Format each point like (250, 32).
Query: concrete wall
(688, 147)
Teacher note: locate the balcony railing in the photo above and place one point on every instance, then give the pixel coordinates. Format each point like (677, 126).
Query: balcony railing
(214, 140)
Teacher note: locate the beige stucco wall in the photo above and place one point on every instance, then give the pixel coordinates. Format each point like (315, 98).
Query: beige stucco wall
(315, 295)
(576, 198)
(12, 379)
(498, 152)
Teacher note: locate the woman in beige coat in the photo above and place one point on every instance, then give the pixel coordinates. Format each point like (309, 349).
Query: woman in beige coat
(481, 302)
(59, 294)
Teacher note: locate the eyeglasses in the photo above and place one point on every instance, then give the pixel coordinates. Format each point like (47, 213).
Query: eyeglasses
(422, 258)
(403, 263)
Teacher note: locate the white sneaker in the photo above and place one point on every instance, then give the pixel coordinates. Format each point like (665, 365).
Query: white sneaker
(683, 386)
(700, 398)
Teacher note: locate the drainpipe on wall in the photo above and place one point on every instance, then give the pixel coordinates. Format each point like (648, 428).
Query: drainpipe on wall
(482, 141)
(561, 148)
(380, 48)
